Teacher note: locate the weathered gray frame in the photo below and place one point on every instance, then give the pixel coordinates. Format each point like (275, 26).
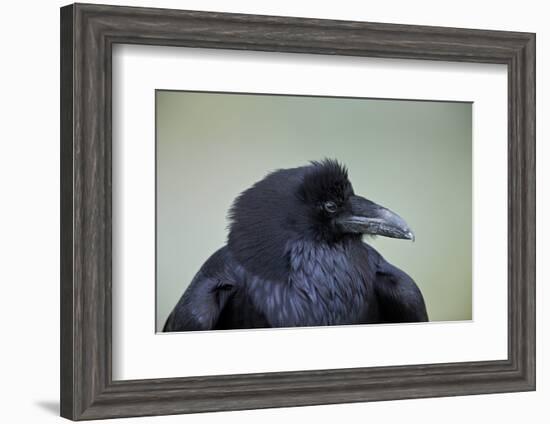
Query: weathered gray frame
(88, 33)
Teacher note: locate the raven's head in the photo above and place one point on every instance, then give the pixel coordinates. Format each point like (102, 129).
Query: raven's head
(314, 202)
(337, 212)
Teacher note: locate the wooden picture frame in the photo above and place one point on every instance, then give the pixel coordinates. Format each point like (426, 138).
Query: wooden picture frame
(88, 33)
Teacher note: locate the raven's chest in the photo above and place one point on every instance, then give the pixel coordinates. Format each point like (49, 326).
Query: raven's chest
(324, 287)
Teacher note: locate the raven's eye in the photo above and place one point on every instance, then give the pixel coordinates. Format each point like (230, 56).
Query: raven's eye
(330, 207)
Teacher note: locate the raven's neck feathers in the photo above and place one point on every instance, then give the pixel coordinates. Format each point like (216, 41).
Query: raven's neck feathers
(261, 233)
(328, 284)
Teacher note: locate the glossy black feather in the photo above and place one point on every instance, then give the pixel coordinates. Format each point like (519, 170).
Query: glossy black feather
(286, 264)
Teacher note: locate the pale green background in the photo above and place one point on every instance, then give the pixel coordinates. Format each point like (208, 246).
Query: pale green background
(414, 157)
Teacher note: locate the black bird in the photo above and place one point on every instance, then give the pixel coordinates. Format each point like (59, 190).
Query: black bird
(295, 257)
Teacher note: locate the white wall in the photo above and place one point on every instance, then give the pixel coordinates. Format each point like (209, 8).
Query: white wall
(30, 214)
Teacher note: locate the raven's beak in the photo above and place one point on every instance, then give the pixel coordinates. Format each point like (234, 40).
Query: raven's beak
(367, 217)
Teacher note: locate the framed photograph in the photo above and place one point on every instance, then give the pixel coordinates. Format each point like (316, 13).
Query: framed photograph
(262, 211)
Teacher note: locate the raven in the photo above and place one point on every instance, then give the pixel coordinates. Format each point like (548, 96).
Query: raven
(295, 257)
